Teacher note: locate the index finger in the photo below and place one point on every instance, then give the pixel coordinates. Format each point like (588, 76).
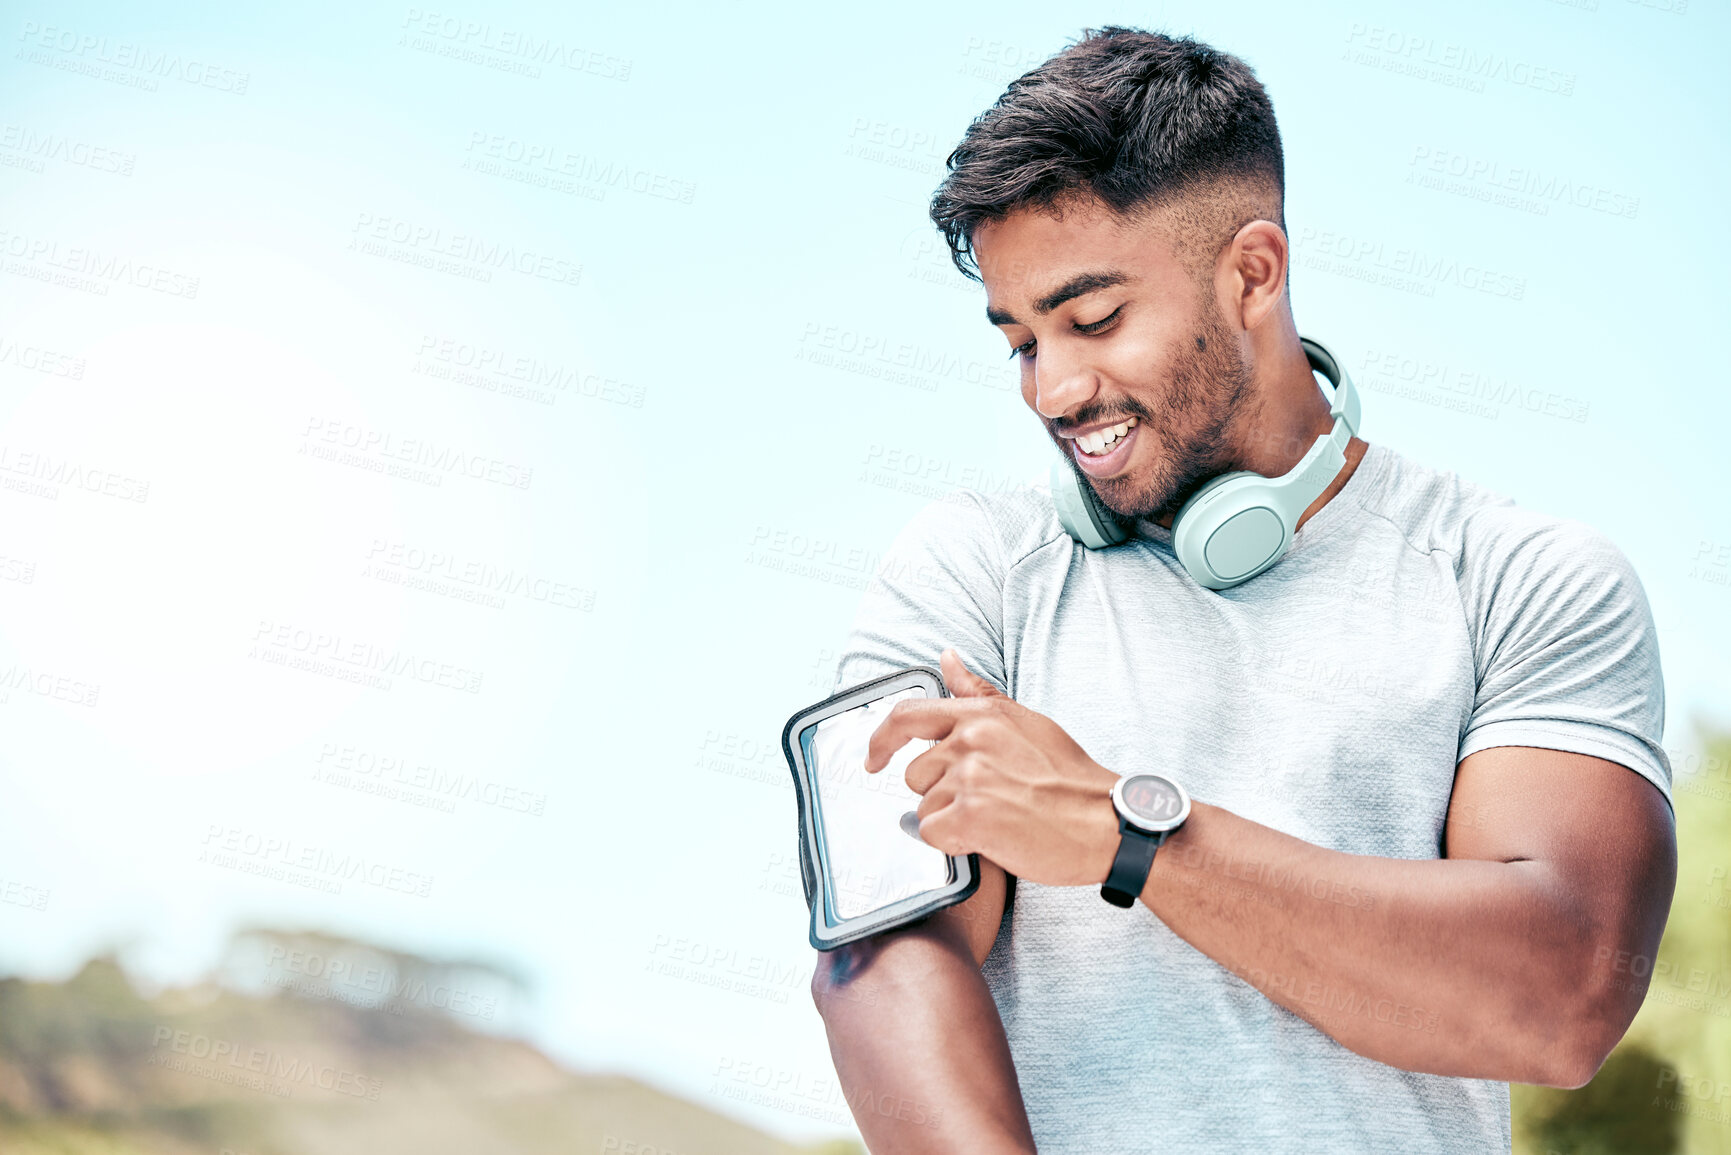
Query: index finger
(930, 718)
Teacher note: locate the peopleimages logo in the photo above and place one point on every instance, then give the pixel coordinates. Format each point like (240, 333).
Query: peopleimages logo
(38, 146)
(900, 362)
(24, 895)
(341, 764)
(40, 360)
(412, 243)
(321, 651)
(228, 846)
(91, 268)
(584, 168)
(261, 1061)
(313, 975)
(1367, 258)
(326, 438)
(474, 39)
(1487, 179)
(46, 473)
(497, 370)
(1428, 379)
(87, 51)
(469, 579)
(1454, 65)
(61, 687)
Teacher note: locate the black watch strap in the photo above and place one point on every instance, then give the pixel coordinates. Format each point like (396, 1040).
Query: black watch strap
(1130, 867)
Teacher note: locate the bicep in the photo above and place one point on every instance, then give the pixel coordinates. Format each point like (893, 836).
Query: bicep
(1603, 834)
(965, 930)
(981, 914)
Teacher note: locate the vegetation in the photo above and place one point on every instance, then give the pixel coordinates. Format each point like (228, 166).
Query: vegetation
(363, 1066)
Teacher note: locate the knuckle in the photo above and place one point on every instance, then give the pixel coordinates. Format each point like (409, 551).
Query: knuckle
(943, 837)
(967, 808)
(973, 731)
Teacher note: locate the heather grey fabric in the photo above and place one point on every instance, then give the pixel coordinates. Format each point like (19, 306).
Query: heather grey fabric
(1417, 619)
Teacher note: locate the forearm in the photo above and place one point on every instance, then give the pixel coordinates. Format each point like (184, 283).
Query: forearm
(918, 1044)
(1448, 966)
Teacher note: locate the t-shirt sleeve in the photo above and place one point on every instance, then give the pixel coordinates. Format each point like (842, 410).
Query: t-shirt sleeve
(940, 584)
(1567, 655)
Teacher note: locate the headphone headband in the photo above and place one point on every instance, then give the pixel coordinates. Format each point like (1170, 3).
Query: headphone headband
(1344, 403)
(1293, 491)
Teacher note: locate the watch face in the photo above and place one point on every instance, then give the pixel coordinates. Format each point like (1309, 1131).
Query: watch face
(1153, 802)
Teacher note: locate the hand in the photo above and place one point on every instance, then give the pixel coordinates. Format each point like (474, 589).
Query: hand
(1003, 781)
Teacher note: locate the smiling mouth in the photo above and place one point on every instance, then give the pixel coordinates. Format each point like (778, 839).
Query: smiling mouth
(1105, 453)
(1100, 442)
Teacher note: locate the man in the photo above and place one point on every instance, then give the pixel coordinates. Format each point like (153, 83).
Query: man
(1430, 804)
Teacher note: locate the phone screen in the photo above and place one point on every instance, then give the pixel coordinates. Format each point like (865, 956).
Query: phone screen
(871, 856)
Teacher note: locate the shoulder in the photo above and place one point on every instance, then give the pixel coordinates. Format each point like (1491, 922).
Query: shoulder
(1485, 533)
(1535, 552)
(1001, 526)
(1434, 509)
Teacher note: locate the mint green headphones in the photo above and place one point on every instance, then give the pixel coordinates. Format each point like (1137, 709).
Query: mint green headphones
(1240, 523)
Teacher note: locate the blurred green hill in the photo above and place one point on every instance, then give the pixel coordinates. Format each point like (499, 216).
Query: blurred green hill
(1667, 1086)
(93, 1067)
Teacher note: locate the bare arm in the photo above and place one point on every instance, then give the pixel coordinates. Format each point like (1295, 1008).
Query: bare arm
(916, 1037)
(1499, 961)
(1496, 962)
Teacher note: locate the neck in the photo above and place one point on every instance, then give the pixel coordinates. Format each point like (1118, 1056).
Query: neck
(1276, 431)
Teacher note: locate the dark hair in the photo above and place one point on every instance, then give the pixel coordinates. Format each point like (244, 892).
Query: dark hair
(1135, 119)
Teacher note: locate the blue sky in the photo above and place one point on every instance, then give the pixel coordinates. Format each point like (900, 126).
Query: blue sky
(450, 441)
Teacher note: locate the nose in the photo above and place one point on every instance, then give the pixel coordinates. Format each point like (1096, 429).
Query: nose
(1062, 384)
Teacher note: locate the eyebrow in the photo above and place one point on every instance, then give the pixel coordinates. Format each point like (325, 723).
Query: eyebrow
(1077, 286)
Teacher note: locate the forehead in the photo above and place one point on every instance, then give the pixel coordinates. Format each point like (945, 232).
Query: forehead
(1032, 251)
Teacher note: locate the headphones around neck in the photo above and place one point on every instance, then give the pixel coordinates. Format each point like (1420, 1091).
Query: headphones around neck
(1240, 523)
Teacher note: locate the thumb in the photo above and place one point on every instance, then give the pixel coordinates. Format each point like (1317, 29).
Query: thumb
(963, 682)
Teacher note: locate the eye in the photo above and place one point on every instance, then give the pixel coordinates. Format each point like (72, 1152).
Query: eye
(1025, 349)
(1100, 325)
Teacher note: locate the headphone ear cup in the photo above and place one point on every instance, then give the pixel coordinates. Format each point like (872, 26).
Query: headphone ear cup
(1201, 496)
(1084, 516)
(1229, 531)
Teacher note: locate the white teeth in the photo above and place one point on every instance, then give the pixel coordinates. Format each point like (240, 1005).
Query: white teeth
(1099, 441)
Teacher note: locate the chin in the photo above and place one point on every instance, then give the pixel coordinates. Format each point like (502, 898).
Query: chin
(1127, 496)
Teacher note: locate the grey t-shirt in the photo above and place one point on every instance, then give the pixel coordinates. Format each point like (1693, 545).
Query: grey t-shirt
(1417, 619)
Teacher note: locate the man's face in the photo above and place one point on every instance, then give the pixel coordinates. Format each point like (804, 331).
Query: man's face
(1115, 336)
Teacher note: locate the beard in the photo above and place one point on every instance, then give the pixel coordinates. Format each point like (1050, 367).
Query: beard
(1205, 389)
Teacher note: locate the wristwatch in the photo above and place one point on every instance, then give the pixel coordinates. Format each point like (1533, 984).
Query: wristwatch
(1150, 807)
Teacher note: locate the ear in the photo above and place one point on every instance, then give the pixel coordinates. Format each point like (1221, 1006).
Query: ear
(1256, 263)
(963, 682)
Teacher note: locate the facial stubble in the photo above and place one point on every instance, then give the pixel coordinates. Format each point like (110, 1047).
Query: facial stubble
(1205, 390)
